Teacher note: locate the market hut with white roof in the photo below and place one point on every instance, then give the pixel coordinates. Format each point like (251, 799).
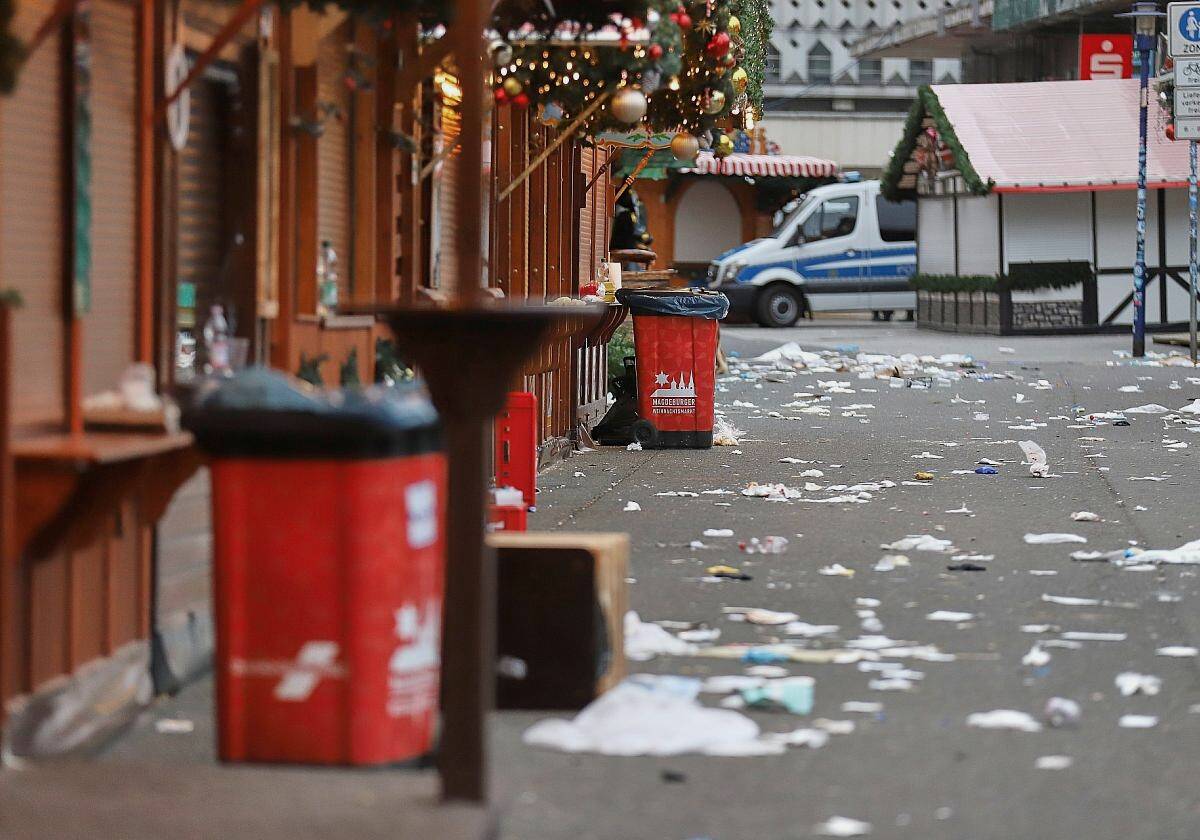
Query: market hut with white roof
(1026, 207)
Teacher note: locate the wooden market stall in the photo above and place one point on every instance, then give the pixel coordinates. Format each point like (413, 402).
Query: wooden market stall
(1026, 208)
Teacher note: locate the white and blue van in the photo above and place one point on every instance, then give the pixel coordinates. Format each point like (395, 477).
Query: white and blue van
(843, 248)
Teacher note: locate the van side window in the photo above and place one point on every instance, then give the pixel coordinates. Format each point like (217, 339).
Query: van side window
(897, 219)
(835, 217)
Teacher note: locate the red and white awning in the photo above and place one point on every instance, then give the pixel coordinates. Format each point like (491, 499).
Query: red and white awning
(764, 166)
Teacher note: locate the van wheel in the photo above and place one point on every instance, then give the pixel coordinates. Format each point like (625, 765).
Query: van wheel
(778, 306)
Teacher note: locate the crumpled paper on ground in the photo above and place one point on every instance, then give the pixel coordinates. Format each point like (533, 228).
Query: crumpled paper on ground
(639, 719)
(645, 641)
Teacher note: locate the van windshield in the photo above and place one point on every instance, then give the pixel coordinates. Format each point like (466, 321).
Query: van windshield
(805, 203)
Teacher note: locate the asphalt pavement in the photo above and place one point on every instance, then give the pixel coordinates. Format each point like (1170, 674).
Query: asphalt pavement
(915, 769)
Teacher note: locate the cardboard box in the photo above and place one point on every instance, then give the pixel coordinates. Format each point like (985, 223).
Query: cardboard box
(562, 602)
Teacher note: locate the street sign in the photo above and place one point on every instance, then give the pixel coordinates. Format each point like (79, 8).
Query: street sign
(1187, 103)
(1183, 29)
(1105, 56)
(1187, 72)
(1187, 129)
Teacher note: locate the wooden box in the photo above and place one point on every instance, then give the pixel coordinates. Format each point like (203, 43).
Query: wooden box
(561, 608)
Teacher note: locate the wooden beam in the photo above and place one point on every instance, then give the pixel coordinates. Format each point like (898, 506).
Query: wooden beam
(146, 138)
(364, 130)
(637, 170)
(468, 677)
(305, 187)
(227, 33)
(384, 284)
(281, 327)
(12, 600)
(562, 137)
(53, 21)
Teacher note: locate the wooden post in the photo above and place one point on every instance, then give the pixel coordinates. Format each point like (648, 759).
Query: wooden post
(473, 17)
(146, 83)
(304, 180)
(281, 327)
(12, 662)
(385, 286)
(365, 131)
(469, 646)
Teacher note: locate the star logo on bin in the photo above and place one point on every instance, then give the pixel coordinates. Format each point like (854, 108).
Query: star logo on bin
(661, 379)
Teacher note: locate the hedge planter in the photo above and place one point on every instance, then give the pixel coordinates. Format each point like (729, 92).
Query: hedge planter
(996, 313)
(1035, 297)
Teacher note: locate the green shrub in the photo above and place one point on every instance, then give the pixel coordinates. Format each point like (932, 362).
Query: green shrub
(1021, 277)
(620, 346)
(954, 282)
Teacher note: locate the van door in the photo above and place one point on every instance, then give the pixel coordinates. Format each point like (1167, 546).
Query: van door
(830, 258)
(893, 255)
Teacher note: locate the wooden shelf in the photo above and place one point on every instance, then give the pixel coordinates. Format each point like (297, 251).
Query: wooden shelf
(98, 447)
(68, 485)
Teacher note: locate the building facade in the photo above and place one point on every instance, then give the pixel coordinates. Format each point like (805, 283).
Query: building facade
(1010, 40)
(820, 99)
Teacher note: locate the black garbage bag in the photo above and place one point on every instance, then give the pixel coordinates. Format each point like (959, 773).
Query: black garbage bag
(616, 427)
(688, 303)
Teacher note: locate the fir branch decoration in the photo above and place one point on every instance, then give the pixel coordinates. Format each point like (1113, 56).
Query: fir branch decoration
(927, 103)
(757, 26)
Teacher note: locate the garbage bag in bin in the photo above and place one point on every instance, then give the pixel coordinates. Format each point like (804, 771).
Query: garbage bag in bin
(675, 336)
(687, 303)
(328, 564)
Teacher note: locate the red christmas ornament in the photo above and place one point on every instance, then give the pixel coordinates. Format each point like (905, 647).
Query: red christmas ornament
(521, 100)
(501, 96)
(655, 51)
(684, 20)
(718, 45)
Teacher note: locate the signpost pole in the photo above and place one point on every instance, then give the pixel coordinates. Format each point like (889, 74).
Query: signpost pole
(1192, 267)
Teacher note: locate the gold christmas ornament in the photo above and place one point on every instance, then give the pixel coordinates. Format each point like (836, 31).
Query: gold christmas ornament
(629, 105)
(740, 79)
(715, 103)
(723, 148)
(512, 87)
(734, 26)
(685, 146)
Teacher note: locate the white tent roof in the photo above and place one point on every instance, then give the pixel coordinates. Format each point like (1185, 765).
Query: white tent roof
(1055, 136)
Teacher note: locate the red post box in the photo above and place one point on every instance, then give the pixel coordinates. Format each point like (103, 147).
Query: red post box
(675, 336)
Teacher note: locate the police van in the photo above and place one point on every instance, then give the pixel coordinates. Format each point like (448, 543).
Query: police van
(843, 248)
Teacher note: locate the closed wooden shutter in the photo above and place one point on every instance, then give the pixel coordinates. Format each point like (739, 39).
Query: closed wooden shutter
(333, 153)
(109, 327)
(446, 186)
(31, 223)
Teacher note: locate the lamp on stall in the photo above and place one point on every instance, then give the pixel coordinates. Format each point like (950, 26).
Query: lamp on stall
(1145, 16)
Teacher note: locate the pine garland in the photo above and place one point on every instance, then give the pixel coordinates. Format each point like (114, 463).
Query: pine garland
(757, 26)
(927, 103)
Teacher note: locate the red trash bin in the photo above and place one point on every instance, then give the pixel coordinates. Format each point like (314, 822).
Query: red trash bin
(675, 337)
(328, 580)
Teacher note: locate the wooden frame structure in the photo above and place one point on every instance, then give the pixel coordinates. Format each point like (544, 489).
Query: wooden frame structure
(82, 563)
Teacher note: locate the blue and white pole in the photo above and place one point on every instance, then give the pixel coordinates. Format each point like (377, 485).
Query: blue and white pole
(1145, 16)
(1145, 50)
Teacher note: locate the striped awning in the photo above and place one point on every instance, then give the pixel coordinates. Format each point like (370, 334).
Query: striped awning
(764, 166)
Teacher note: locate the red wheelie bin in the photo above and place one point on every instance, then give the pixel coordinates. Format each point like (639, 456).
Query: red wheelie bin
(328, 570)
(675, 337)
